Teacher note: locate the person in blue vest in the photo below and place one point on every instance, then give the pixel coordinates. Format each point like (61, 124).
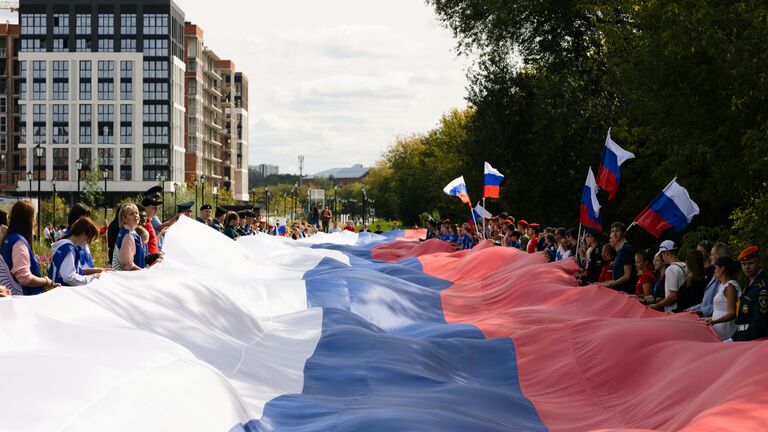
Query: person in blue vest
(465, 241)
(17, 251)
(78, 211)
(67, 264)
(129, 253)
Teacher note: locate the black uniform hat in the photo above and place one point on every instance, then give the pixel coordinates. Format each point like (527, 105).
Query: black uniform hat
(206, 207)
(151, 201)
(180, 208)
(154, 190)
(220, 211)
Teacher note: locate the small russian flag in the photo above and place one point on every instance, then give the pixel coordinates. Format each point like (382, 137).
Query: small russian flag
(609, 174)
(492, 180)
(458, 188)
(589, 215)
(673, 208)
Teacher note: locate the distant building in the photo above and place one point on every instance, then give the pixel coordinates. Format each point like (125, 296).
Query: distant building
(267, 170)
(341, 176)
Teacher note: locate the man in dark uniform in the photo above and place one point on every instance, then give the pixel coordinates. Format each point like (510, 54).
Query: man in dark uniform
(752, 312)
(218, 221)
(205, 214)
(185, 208)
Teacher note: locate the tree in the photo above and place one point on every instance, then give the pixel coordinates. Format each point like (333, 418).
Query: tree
(93, 192)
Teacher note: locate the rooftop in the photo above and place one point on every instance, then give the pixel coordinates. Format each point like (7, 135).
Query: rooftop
(354, 172)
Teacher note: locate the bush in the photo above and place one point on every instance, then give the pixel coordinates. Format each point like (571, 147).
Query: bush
(691, 239)
(748, 223)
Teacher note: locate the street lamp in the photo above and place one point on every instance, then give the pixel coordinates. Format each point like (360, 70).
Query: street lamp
(105, 176)
(39, 150)
(30, 175)
(79, 167)
(335, 208)
(215, 191)
(53, 198)
(202, 182)
(285, 204)
(362, 193)
(196, 206)
(161, 178)
(175, 190)
(266, 201)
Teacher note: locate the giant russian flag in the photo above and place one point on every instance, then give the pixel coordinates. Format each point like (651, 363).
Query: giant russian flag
(457, 188)
(609, 174)
(363, 332)
(673, 208)
(492, 179)
(589, 215)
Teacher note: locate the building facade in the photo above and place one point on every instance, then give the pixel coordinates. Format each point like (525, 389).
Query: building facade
(12, 165)
(267, 170)
(102, 83)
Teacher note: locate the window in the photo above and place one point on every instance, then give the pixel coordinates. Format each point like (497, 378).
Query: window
(156, 24)
(155, 91)
(3, 104)
(60, 45)
(61, 135)
(106, 24)
(60, 113)
(60, 69)
(60, 91)
(60, 157)
(106, 69)
(126, 163)
(38, 114)
(156, 47)
(106, 45)
(83, 24)
(106, 156)
(126, 134)
(106, 113)
(83, 45)
(156, 135)
(85, 157)
(126, 69)
(85, 134)
(128, 24)
(23, 124)
(85, 90)
(85, 113)
(38, 91)
(23, 69)
(155, 69)
(3, 124)
(128, 45)
(155, 113)
(85, 69)
(60, 24)
(106, 118)
(33, 45)
(126, 90)
(38, 69)
(33, 24)
(85, 124)
(106, 90)
(126, 113)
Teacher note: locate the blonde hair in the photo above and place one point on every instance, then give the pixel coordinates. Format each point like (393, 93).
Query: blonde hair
(125, 210)
(143, 233)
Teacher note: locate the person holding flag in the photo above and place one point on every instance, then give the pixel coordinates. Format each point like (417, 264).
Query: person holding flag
(609, 174)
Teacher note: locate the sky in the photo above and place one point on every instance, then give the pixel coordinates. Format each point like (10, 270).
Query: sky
(336, 81)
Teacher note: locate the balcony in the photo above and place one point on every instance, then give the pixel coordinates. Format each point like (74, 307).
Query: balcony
(212, 73)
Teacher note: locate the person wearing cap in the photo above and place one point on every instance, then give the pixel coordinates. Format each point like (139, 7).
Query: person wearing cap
(154, 220)
(623, 273)
(533, 235)
(752, 314)
(231, 222)
(593, 264)
(150, 206)
(674, 276)
(522, 226)
(205, 214)
(218, 221)
(184, 209)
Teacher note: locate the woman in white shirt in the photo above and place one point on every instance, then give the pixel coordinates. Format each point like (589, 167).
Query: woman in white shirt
(723, 318)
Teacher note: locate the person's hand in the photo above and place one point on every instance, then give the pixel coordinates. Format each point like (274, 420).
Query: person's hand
(96, 275)
(707, 320)
(4, 292)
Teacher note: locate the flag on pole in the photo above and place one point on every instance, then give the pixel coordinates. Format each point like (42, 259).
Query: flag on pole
(481, 212)
(458, 188)
(589, 215)
(673, 208)
(492, 179)
(609, 174)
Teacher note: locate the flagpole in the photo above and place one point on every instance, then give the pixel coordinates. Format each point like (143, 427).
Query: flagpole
(472, 212)
(484, 220)
(578, 244)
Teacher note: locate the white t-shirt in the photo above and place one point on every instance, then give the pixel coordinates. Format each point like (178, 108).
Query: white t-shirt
(674, 277)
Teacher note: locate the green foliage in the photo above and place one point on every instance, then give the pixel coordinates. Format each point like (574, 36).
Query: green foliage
(692, 238)
(749, 223)
(92, 189)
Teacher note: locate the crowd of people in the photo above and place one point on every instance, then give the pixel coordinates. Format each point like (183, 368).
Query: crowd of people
(703, 281)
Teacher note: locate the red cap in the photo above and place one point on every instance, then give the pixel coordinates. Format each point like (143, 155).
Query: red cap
(534, 225)
(507, 222)
(749, 253)
(522, 222)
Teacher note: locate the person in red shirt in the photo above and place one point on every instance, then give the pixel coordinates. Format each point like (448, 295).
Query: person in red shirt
(350, 226)
(609, 253)
(150, 204)
(533, 235)
(646, 279)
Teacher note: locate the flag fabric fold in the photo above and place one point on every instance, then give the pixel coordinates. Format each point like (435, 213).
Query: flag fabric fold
(458, 188)
(589, 215)
(673, 208)
(481, 212)
(609, 174)
(492, 179)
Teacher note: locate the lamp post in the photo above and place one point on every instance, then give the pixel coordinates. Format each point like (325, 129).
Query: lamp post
(39, 150)
(335, 208)
(53, 199)
(266, 201)
(362, 193)
(285, 204)
(202, 182)
(79, 167)
(161, 178)
(196, 206)
(175, 191)
(105, 176)
(30, 175)
(215, 191)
